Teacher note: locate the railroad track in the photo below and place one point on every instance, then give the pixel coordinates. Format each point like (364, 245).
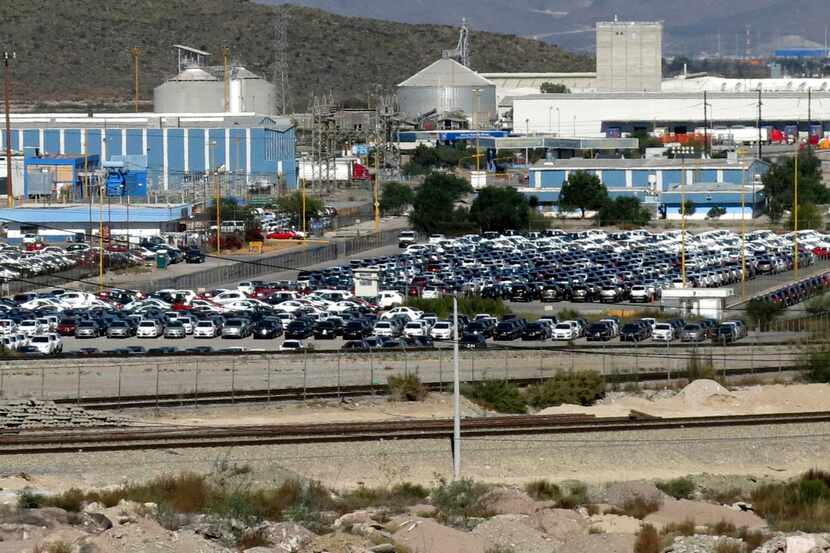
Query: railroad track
(39, 442)
(331, 392)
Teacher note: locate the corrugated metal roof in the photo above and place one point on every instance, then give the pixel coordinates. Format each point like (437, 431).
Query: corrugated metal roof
(663, 163)
(146, 120)
(80, 214)
(446, 72)
(194, 74)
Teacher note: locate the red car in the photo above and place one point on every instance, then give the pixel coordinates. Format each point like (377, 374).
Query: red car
(283, 234)
(66, 327)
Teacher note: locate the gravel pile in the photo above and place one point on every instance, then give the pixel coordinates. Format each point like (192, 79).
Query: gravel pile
(796, 543)
(619, 492)
(698, 543)
(514, 533)
(701, 390)
(46, 414)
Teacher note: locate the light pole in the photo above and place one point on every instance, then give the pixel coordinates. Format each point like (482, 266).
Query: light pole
(456, 396)
(558, 123)
(683, 151)
(7, 101)
(478, 127)
(550, 117)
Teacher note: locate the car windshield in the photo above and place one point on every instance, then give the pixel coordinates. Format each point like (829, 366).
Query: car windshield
(204, 324)
(563, 327)
(145, 324)
(40, 339)
(662, 326)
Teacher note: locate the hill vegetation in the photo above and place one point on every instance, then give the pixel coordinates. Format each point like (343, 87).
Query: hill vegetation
(79, 50)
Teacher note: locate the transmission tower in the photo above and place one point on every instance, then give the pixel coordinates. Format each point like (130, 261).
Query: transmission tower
(281, 62)
(461, 52)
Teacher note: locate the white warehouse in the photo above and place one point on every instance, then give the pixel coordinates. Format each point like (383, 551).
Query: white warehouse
(609, 113)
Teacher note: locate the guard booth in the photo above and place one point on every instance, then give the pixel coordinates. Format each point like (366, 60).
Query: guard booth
(709, 303)
(366, 283)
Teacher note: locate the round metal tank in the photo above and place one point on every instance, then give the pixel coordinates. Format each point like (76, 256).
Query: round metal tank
(447, 86)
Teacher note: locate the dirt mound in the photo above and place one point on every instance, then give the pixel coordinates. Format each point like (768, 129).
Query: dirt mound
(699, 391)
(507, 501)
(513, 533)
(560, 524)
(681, 510)
(422, 535)
(601, 543)
(619, 492)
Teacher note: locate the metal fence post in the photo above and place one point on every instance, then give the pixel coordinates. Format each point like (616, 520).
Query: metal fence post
(440, 371)
(158, 373)
(79, 385)
(268, 379)
(42, 382)
(372, 372)
(120, 368)
(305, 373)
(233, 380)
(2, 378)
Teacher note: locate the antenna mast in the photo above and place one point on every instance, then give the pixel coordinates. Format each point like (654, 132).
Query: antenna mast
(462, 50)
(281, 62)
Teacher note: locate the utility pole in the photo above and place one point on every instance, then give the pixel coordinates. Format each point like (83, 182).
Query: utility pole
(705, 125)
(8, 92)
(760, 151)
(226, 57)
(281, 61)
(795, 210)
(136, 52)
(809, 113)
(456, 396)
(376, 194)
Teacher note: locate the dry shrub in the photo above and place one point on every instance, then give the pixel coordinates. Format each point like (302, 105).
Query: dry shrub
(543, 490)
(396, 499)
(726, 546)
(685, 528)
(648, 540)
(253, 538)
(725, 497)
(679, 488)
(637, 507)
(406, 388)
(723, 528)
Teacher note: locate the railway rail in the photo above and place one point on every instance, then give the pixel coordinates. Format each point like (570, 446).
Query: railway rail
(43, 442)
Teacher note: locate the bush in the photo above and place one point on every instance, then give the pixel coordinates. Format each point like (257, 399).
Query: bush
(648, 540)
(637, 507)
(497, 395)
(577, 387)
(685, 528)
(725, 497)
(543, 490)
(802, 504)
(698, 367)
(406, 388)
(253, 538)
(459, 500)
(679, 488)
(70, 500)
(27, 499)
(727, 546)
(467, 305)
(229, 242)
(577, 497)
(396, 498)
(817, 364)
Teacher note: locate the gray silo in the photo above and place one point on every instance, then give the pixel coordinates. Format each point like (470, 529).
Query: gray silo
(448, 86)
(194, 90)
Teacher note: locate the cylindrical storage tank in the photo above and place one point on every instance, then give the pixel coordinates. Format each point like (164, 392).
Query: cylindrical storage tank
(194, 90)
(447, 86)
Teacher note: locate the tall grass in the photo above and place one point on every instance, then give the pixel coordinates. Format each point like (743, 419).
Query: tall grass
(497, 395)
(800, 504)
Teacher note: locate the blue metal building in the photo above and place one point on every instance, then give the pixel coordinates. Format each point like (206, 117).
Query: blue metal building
(649, 180)
(179, 148)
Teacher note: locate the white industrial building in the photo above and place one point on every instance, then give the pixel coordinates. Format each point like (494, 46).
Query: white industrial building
(604, 114)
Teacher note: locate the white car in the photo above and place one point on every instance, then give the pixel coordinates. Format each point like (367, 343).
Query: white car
(148, 329)
(205, 329)
(566, 330)
(30, 327)
(442, 330)
(7, 326)
(293, 345)
(384, 328)
(663, 332)
(46, 344)
(389, 298)
(187, 322)
(413, 314)
(416, 328)
(229, 297)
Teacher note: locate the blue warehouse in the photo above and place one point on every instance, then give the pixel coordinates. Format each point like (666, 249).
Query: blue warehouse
(178, 149)
(657, 181)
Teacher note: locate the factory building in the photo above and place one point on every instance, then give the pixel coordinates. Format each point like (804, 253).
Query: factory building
(612, 114)
(629, 56)
(446, 87)
(199, 87)
(656, 181)
(180, 148)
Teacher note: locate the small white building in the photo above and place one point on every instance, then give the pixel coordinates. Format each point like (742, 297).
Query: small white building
(17, 174)
(703, 302)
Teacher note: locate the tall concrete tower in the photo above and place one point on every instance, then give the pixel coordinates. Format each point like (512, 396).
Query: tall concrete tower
(629, 56)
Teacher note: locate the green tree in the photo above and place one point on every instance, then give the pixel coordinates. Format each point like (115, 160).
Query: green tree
(625, 210)
(500, 208)
(433, 208)
(645, 140)
(763, 312)
(582, 191)
(778, 184)
(230, 211)
(689, 207)
(553, 88)
(809, 217)
(395, 197)
(293, 205)
(716, 212)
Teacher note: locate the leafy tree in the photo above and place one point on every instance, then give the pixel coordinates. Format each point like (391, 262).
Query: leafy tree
(395, 197)
(582, 191)
(778, 184)
(293, 205)
(625, 210)
(499, 209)
(716, 212)
(553, 88)
(425, 158)
(230, 210)
(645, 140)
(433, 208)
(809, 217)
(763, 312)
(689, 207)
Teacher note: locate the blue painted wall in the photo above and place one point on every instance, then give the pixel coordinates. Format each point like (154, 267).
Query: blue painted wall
(72, 141)
(134, 142)
(196, 150)
(552, 179)
(113, 143)
(52, 141)
(613, 178)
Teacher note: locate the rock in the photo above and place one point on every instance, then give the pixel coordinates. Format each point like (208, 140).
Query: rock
(699, 543)
(512, 532)
(423, 535)
(509, 501)
(350, 519)
(288, 537)
(370, 529)
(559, 524)
(383, 548)
(600, 543)
(806, 543)
(259, 549)
(96, 522)
(92, 507)
(741, 506)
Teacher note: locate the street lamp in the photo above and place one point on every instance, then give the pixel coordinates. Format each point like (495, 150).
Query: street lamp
(477, 92)
(550, 116)
(558, 123)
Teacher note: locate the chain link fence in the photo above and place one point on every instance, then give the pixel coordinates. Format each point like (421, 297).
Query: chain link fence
(190, 377)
